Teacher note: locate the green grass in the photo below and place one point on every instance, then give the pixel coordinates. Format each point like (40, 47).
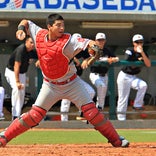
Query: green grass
(80, 137)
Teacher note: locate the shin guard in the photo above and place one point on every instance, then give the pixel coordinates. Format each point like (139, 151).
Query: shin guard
(101, 124)
(25, 122)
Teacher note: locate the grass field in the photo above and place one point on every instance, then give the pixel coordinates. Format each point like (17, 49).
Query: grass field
(41, 136)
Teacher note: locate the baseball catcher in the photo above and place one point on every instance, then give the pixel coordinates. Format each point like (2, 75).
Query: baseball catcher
(55, 49)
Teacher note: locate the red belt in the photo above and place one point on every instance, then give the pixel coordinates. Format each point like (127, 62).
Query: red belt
(63, 82)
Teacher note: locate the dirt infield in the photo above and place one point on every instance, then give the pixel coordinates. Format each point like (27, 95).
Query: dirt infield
(105, 149)
(135, 149)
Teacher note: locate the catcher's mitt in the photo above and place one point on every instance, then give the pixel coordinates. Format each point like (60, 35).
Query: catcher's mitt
(95, 53)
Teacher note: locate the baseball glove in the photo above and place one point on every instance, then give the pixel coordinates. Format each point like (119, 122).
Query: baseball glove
(95, 53)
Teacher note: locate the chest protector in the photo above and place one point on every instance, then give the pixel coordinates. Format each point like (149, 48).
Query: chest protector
(54, 64)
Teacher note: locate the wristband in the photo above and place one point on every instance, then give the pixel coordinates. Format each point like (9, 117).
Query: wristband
(22, 27)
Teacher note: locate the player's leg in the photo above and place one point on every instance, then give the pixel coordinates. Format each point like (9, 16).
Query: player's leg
(17, 96)
(104, 126)
(33, 117)
(124, 86)
(101, 85)
(89, 89)
(141, 87)
(2, 92)
(17, 100)
(91, 92)
(83, 101)
(22, 124)
(64, 109)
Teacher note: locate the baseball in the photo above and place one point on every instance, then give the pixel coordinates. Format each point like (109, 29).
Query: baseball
(21, 36)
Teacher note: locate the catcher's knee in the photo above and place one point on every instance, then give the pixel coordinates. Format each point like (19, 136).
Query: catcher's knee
(92, 114)
(33, 117)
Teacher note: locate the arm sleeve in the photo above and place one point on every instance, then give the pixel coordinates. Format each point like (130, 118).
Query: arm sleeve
(33, 30)
(128, 53)
(79, 43)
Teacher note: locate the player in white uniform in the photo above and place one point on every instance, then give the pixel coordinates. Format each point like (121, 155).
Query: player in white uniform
(127, 78)
(55, 49)
(98, 75)
(15, 73)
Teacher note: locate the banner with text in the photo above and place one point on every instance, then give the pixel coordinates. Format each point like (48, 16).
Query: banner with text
(77, 6)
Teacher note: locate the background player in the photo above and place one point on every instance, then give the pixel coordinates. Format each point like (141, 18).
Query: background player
(15, 74)
(127, 78)
(98, 75)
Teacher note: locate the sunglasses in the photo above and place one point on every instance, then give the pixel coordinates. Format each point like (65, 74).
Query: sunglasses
(141, 42)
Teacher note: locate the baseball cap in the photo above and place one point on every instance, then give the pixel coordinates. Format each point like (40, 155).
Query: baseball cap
(100, 36)
(77, 35)
(137, 37)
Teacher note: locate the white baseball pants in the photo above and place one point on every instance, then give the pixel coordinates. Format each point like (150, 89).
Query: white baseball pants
(2, 93)
(65, 103)
(17, 96)
(101, 83)
(125, 82)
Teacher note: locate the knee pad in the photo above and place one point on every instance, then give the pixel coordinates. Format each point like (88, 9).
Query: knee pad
(92, 114)
(33, 117)
(25, 122)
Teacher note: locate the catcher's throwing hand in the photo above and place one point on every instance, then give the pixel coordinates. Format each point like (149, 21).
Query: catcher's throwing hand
(20, 34)
(95, 53)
